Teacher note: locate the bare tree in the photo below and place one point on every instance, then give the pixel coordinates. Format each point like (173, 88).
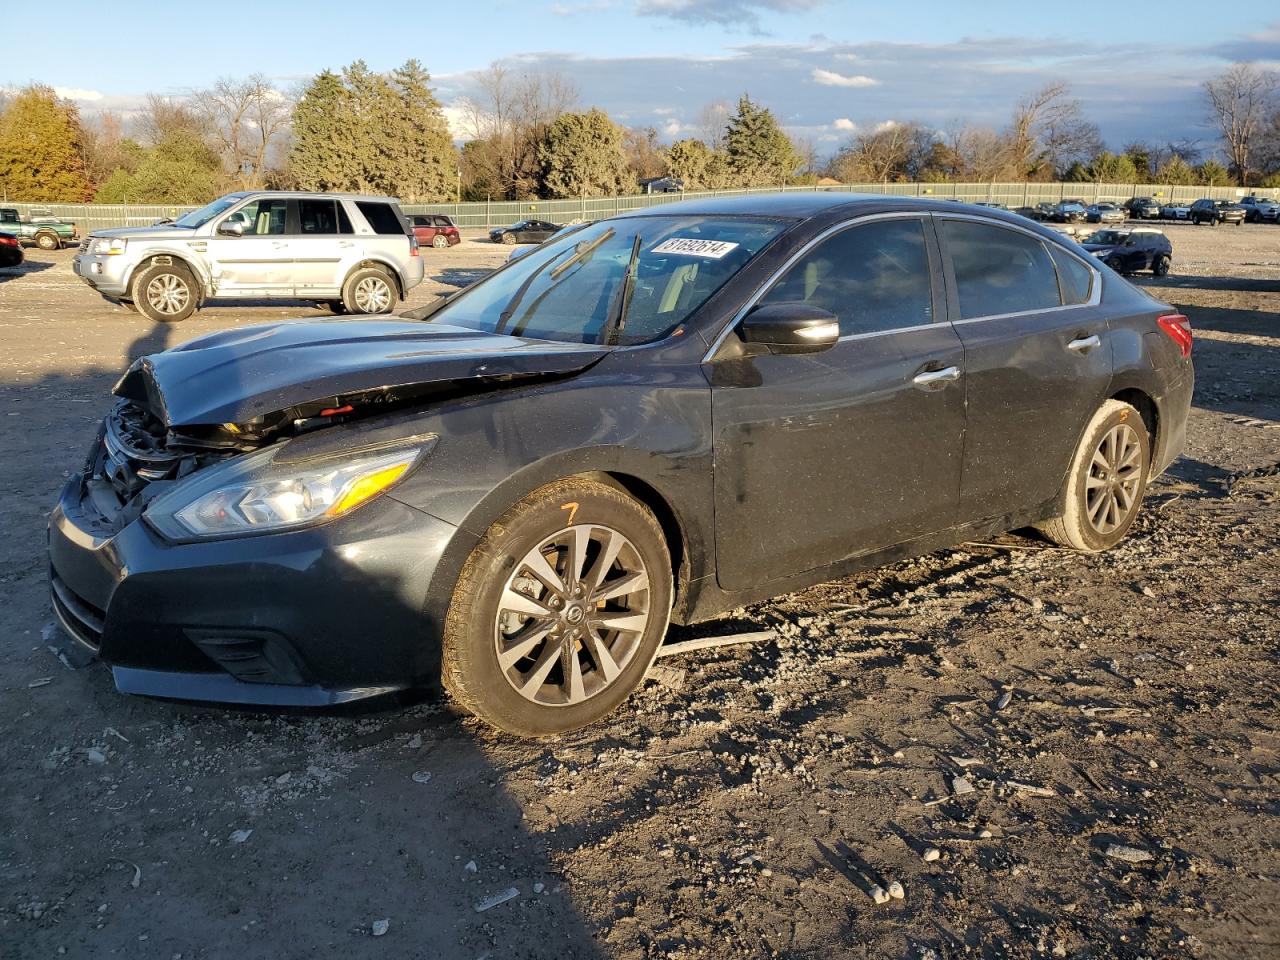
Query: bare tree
(1048, 130)
(246, 118)
(506, 120)
(1239, 103)
(713, 123)
(163, 117)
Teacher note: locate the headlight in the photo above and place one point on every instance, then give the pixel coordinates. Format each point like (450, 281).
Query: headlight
(109, 246)
(254, 494)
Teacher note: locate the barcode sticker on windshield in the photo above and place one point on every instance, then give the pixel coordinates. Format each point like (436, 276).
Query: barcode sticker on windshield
(693, 247)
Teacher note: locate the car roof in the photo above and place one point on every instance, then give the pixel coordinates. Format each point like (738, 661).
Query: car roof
(312, 193)
(803, 206)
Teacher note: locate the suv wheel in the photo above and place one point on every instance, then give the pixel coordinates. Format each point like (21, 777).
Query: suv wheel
(559, 611)
(1161, 267)
(369, 290)
(165, 293)
(1105, 483)
(47, 241)
(440, 241)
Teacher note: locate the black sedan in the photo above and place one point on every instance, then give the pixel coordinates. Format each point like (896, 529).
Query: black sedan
(653, 419)
(1130, 251)
(10, 250)
(525, 231)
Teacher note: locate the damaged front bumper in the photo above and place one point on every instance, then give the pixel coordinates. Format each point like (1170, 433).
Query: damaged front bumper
(305, 618)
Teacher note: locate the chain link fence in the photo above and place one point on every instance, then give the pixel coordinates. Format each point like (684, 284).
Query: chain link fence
(485, 214)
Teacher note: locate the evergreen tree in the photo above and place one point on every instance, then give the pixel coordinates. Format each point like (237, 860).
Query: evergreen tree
(758, 151)
(581, 156)
(1212, 174)
(421, 161)
(1175, 170)
(42, 149)
(323, 155)
(1110, 168)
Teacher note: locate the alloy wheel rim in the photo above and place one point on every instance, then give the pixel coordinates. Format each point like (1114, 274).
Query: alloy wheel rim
(168, 294)
(372, 295)
(440, 242)
(1115, 471)
(572, 615)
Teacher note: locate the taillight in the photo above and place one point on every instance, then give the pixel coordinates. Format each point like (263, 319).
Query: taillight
(413, 245)
(9, 241)
(1178, 328)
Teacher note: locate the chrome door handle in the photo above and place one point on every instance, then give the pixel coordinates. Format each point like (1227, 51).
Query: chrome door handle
(345, 243)
(931, 378)
(1084, 344)
(278, 244)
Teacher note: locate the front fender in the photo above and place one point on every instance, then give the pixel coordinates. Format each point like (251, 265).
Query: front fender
(189, 257)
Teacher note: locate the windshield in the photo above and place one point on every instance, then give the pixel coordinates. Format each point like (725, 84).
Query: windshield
(618, 281)
(198, 218)
(1070, 206)
(1110, 237)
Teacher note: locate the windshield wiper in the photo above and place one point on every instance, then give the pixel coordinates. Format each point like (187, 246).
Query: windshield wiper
(581, 252)
(618, 319)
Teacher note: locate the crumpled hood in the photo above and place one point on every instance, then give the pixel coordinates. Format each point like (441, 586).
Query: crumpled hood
(237, 375)
(147, 233)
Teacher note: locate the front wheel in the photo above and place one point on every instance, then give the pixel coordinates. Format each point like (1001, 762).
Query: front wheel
(440, 241)
(47, 241)
(165, 293)
(1161, 267)
(559, 611)
(508, 239)
(369, 290)
(1105, 482)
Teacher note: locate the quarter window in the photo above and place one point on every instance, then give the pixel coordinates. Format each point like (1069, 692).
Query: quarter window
(381, 217)
(1074, 277)
(999, 271)
(873, 277)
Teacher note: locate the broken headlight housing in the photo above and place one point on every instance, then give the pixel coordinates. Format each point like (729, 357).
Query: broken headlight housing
(257, 494)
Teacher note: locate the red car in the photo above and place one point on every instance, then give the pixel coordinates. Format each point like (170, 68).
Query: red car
(435, 229)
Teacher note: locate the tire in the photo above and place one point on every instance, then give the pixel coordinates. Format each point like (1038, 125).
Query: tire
(1161, 267)
(369, 290)
(537, 534)
(48, 241)
(508, 239)
(1098, 520)
(440, 241)
(165, 293)
(336, 307)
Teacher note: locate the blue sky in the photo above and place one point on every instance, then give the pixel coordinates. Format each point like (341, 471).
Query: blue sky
(826, 67)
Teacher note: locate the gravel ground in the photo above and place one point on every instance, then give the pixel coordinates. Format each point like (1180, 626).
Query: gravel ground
(1050, 754)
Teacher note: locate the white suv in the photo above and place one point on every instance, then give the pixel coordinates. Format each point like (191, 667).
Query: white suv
(355, 253)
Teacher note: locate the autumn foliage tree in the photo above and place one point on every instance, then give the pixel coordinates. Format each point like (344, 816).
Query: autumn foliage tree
(41, 149)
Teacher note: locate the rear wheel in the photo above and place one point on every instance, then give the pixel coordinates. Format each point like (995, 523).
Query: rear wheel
(336, 306)
(559, 611)
(369, 290)
(1105, 483)
(440, 241)
(165, 293)
(47, 241)
(1161, 267)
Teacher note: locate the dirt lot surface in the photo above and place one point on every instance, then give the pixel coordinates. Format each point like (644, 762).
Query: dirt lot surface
(1053, 755)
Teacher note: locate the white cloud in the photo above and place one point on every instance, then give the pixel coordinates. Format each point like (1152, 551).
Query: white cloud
(829, 78)
(79, 94)
(730, 14)
(886, 125)
(844, 123)
(673, 127)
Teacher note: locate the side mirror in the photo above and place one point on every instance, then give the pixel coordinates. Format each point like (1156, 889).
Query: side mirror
(231, 228)
(791, 327)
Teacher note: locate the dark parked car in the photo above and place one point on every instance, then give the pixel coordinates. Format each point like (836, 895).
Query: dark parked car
(1045, 211)
(1216, 212)
(1143, 208)
(10, 250)
(526, 231)
(1129, 251)
(1070, 211)
(435, 230)
(514, 492)
(1104, 213)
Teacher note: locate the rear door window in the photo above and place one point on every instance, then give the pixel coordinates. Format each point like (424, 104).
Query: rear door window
(322, 218)
(873, 277)
(382, 217)
(999, 271)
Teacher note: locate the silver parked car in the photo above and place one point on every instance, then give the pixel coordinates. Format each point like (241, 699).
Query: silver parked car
(353, 252)
(1104, 213)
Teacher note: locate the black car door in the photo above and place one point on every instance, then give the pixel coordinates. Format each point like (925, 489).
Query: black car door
(1037, 364)
(822, 456)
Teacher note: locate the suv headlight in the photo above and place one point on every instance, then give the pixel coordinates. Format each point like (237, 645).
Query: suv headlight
(255, 494)
(109, 246)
